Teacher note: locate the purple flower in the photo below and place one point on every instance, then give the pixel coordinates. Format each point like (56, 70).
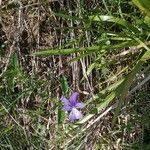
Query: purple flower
(72, 105)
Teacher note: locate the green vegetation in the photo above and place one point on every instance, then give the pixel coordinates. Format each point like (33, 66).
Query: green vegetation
(100, 49)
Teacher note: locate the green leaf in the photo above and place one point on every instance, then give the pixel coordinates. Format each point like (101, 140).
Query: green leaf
(119, 21)
(61, 114)
(14, 60)
(64, 85)
(147, 20)
(65, 51)
(91, 67)
(65, 89)
(109, 19)
(143, 5)
(112, 87)
(85, 49)
(146, 56)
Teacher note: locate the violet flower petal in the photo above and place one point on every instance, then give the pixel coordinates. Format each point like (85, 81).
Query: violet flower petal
(73, 98)
(75, 115)
(67, 107)
(79, 105)
(65, 100)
